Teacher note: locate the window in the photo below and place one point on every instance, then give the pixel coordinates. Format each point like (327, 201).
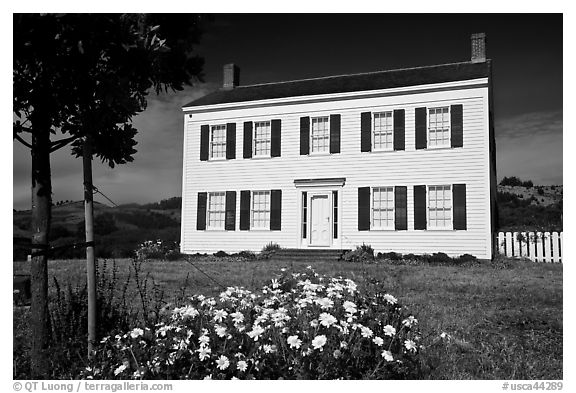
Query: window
(218, 141)
(216, 210)
(320, 134)
(439, 127)
(260, 211)
(335, 213)
(382, 134)
(261, 139)
(304, 214)
(440, 207)
(383, 208)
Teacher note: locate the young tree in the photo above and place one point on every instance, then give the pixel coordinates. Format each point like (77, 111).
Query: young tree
(85, 76)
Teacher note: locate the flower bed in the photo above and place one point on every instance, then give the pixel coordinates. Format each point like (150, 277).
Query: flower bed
(301, 326)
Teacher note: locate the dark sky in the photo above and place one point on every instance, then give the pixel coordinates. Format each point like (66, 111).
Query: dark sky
(526, 50)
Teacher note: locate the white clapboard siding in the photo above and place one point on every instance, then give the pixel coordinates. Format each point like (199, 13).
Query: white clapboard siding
(537, 246)
(468, 165)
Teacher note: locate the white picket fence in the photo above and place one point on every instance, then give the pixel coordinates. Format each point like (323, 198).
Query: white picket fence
(537, 246)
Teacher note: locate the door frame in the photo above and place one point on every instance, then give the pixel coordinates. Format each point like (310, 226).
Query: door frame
(310, 196)
(320, 187)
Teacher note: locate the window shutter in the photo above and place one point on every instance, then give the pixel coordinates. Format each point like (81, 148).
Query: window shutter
(201, 214)
(304, 135)
(401, 208)
(276, 137)
(247, 139)
(276, 210)
(366, 131)
(334, 133)
(244, 210)
(230, 141)
(459, 200)
(457, 129)
(230, 223)
(421, 129)
(204, 142)
(419, 207)
(364, 208)
(399, 125)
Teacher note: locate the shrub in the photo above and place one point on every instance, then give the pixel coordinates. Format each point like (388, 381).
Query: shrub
(165, 251)
(247, 255)
(390, 255)
(301, 326)
(271, 247)
(363, 253)
(467, 258)
(221, 254)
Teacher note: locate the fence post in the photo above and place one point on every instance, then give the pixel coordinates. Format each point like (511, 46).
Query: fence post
(501, 243)
(539, 247)
(555, 248)
(547, 247)
(523, 245)
(532, 236)
(509, 252)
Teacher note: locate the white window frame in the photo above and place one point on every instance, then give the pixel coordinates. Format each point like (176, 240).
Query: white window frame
(450, 225)
(327, 151)
(269, 122)
(374, 148)
(449, 141)
(372, 221)
(209, 212)
(212, 129)
(252, 199)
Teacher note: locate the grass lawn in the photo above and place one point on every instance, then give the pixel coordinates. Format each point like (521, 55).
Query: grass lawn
(505, 320)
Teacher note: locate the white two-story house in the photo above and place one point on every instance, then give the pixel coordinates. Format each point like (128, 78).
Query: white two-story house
(403, 160)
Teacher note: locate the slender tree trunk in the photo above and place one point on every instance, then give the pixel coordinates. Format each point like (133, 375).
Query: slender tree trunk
(90, 261)
(41, 217)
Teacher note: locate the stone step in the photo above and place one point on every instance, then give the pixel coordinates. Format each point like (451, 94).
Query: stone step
(320, 255)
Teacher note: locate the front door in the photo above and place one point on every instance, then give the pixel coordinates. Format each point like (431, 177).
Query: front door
(320, 220)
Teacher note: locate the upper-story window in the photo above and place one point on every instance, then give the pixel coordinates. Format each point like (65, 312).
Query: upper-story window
(218, 141)
(439, 127)
(320, 134)
(383, 208)
(383, 131)
(262, 139)
(440, 207)
(260, 210)
(216, 211)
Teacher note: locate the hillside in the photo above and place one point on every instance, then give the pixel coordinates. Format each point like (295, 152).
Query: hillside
(118, 230)
(530, 208)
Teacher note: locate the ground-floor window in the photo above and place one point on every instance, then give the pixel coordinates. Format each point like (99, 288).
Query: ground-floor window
(260, 210)
(440, 207)
(383, 208)
(216, 210)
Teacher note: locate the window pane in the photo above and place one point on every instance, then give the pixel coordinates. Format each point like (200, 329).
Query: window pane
(262, 138)
(320, 134)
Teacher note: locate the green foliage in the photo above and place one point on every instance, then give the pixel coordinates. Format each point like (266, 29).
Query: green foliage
(161, 250)
(165, 204)
(514, 181)
(115, 312)
(148, 220)
(221, 254)
(104, 224)
(363, 253)
(356, 334)
(271, 247)
(515, 213)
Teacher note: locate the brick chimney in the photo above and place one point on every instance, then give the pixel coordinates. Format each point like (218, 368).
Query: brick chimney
(231, 76)
(478, 47)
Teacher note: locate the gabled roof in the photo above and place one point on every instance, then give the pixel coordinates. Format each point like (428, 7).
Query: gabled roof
(349, 83)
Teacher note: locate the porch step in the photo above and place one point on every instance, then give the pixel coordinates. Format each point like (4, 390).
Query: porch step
(308, 255)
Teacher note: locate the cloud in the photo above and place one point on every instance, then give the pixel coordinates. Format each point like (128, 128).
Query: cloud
(529, 146)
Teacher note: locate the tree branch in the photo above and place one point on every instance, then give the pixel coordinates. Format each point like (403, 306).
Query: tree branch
(22, 141)
(61, 143)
